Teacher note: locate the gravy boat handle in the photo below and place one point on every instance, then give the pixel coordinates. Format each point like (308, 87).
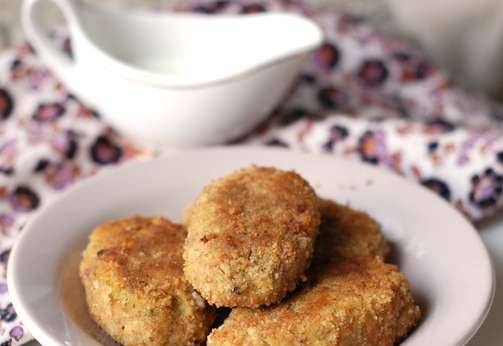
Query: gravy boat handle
(60, 63)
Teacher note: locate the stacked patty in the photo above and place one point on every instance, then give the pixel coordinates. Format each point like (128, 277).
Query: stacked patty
(251, 237)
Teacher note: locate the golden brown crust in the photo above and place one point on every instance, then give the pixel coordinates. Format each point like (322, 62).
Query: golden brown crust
(356, 302)
(347, 233)
(250, 237)
(132, 272)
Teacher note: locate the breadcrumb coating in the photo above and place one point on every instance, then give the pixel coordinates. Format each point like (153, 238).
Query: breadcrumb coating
(132, 272)
(250, 237)
(347, 233)
(353, 302)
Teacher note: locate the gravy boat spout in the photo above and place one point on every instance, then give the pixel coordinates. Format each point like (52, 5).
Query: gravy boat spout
(177, 79)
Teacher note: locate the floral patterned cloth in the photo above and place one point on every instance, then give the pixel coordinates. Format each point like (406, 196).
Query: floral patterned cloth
(363, 95)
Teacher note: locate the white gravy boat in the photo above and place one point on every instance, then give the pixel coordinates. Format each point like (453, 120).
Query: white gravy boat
(176, 79)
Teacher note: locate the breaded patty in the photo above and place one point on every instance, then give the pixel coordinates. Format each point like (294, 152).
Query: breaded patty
(347, 233)
(250, 237)
(132, 272)
(354, 302)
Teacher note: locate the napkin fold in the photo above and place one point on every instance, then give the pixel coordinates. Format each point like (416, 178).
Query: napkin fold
(363, 95)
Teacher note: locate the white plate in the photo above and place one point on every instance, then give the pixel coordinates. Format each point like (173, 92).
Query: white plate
(439, 251)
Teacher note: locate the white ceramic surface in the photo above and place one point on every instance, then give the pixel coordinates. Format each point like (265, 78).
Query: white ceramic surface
(176, 79)
(439, 251)
(491, 333)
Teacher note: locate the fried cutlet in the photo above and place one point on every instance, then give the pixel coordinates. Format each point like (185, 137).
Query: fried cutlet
(346, 233)
(251, 236)
(132, 272)
(352, 302)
